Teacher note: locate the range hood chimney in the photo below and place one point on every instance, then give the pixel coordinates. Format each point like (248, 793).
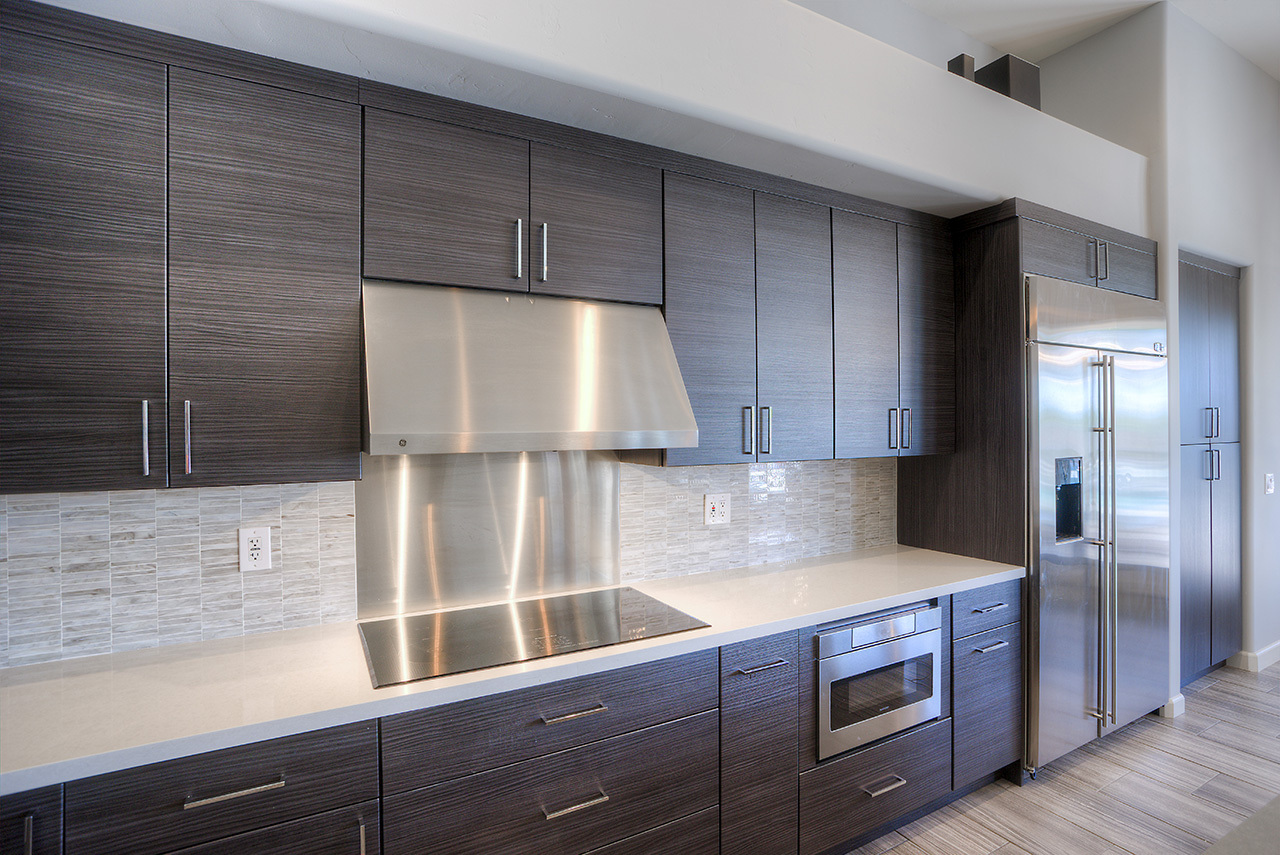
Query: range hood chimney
(460, 370)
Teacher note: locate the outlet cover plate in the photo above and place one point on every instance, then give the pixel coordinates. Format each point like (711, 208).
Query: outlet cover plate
(1270, 483)
(715, 508)
(255, 549)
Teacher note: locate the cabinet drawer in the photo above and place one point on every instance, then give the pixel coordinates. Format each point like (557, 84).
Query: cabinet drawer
(345, 831)
(698, 834)
(987, 714)
(986, 608)
(836, 804)
(37, 813)
(433, 745)
(567, 802)
(166, 806)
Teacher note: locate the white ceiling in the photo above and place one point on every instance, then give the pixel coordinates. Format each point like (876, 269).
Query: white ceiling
(1035, 29)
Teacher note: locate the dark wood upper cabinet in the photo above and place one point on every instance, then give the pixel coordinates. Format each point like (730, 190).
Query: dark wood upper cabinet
(1209, 354)
(865, 282)
(759, 746)
(926, 342)
(82, 201)
(264, 284)
(1059, 253)
(595, 226)
(444, 204)
(709, 252)
(1128, 271)
(795, 389)
(1224, 355)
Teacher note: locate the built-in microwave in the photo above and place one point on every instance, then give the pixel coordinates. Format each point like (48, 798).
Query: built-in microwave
(878, 677)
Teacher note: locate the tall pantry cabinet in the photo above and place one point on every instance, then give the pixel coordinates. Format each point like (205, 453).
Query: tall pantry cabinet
(1209, 413)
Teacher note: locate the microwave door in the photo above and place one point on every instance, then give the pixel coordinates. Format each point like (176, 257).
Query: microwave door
(1066, 470)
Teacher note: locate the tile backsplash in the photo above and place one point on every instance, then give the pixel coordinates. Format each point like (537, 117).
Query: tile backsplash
(84, 573)
(778, 512)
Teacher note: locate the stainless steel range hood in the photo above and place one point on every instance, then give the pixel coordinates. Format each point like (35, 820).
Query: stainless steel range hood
(461, 370)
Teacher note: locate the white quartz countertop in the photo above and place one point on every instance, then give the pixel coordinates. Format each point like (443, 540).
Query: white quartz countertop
(66, 720)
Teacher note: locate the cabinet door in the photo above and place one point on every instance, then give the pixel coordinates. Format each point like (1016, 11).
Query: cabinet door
(759, 746)
(864, 255)
(795, 382)
(1060, 253)
(987, 711)
(1227, 617)
(1194, 353)
(82, 234)
(709, 250)
(1224, 355)
(442, 203)
(1197, 560)
(1127, 271)
(926, 342)
(35, 816)
(596, 226)
(264, 284)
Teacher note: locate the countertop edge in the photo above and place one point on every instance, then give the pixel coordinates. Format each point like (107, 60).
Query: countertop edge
(494, 681)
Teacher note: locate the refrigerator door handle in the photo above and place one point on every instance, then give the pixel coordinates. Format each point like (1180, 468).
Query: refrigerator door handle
(1114, 621)
(1103, 432)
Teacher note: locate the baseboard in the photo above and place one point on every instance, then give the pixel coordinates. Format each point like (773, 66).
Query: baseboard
(1177, 706)
(1264, 658)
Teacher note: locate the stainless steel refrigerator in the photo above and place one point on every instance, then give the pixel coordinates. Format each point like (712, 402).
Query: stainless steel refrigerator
(1098, 452)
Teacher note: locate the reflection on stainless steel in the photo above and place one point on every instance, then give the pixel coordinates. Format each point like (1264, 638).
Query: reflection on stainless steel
(462, 370)
(414, 647)
(1098, 590)
(441, 530)
(869, 688)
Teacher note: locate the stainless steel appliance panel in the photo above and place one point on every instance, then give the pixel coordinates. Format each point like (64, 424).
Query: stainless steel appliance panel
(1141, 567)
(463, 370)
(1064, 588)
(436, 531)
(1061, 312)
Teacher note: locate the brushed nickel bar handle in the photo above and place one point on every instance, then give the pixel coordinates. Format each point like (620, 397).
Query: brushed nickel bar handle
(519, 249)
(1208, 422)
(991, 647)
(544, 252)
(893, 427)
(748, 430)
(906, 427)
(896, 781)
(186, 434)
(146, 437)
(598, 800)
(1217, 464)
(757, 669)
(1217, 422)
(1092, 258)
(363, 849)
(1208, 464)
(556, 719)
(986, 610)
(766, 430)
(213, 800)
(1104, 270)
(29, 833)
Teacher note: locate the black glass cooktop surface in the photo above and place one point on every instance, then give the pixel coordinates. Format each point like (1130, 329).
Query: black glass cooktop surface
(414, 647)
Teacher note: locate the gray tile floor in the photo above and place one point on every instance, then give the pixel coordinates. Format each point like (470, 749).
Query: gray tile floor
(1156, 787)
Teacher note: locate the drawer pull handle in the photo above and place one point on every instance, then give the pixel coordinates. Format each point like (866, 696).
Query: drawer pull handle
(893, 782)
(363, 850)
(213, 800)
(991, 647)
(986, 610)
(556, 719)
(756, 670)
(28, 834)
(598, 800)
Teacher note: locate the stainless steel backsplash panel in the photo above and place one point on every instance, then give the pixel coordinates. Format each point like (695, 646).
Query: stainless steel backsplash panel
(441, 530)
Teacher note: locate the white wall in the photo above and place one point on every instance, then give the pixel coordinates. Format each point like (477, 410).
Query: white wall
(761, 83)
(906, 28)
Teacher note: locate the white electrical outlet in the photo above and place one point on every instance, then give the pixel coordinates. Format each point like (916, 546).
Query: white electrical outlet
(1271, 483)
(255, 549)
(715, 508)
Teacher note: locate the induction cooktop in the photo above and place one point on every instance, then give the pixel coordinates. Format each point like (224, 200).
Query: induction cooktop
(405, 648)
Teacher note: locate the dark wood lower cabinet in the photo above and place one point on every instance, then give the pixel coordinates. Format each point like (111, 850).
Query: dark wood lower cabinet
(849, 796)
(351, 830)
(987, 708)
(31, 822)
(564, 803)
(759, 744)
(697, 834)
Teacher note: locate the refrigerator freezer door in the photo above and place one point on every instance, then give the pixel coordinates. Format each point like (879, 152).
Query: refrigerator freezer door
(1065, 458)
(1141, 535)
(1061, 312)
